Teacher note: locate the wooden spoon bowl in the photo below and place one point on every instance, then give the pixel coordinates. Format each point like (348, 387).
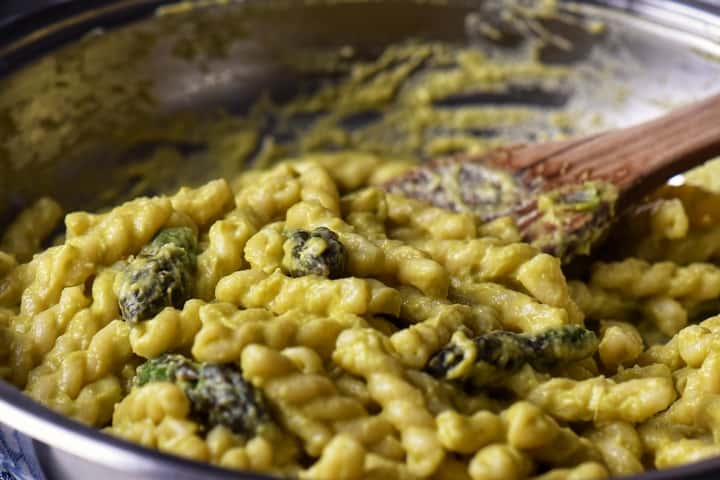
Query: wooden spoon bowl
(565, 194)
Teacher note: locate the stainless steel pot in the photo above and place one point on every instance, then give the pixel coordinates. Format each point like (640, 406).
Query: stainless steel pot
(124, 80)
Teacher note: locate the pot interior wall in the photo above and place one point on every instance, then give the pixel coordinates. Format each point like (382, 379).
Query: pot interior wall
(73, 120)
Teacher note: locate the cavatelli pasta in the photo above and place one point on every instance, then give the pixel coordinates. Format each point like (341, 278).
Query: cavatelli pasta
(25, 235)
(326, 298)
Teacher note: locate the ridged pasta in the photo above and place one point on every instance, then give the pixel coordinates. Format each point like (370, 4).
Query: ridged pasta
(226, 331)
(379, 259)
(313, 408)
(620, 445)
(168, 331)
(487, 260)
(636, 278)
(280, 294)
(437, 223)
(517, 311)
(203, 205)
(27, 232)
(499, 461)
(620, 344)
(155, 415)
(364, 352)
(264, 250)
(602, 399)
(339, 361)
(224, 252)
(416, 343)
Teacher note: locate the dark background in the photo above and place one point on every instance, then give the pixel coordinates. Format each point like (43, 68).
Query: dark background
(9, 7)
(15, 7)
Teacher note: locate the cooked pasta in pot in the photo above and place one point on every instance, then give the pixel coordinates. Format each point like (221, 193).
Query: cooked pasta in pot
(309, 324)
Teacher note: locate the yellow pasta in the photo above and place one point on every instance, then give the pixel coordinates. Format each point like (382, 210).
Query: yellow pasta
(24, 237)
(168, 331)
(636, 278)
(499, 461)
(685, 451)
(203, 205)
(280, 294)
(365, 352)
(602, 399)
(336, 353)
(620, 344)
(517, 311)
(621, 447)
(224, 253)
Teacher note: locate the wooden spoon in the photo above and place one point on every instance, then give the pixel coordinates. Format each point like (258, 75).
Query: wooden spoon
(565, 194)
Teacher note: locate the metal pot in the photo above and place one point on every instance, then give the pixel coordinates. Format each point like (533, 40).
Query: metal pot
(83, 82)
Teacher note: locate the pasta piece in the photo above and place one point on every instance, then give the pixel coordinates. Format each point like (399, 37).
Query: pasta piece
(364, 352)
(156, 414)
(453, 469)
(59, 329)
(412, 267)
(310, 403)
(486, 260)
(33, 337)
(500, 462)
(367, 211)
(601, 304)
(668, 315)
(168, 331)
(316, 185)
(24, 236)
(320, 296)
(418, 342)
(439, 223)
(350, 170)
(518, 312)
(695, 342)
(204, 205)
(264, 250)
(635, 278)
(66, 389)
(666, 354)
(529, 429)
(227, 239)
(504, 229)
(268, 198)
(620, 344)
(696, 387)
(685, 451)
(600, 399)
(368, 259)
(381, 468)
(621, 447)
(463, 434)
(342, 459)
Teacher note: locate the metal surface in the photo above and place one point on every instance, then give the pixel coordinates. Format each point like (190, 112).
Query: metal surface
(72, 118)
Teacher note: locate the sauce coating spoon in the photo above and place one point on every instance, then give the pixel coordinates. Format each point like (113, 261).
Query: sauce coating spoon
(564, 194)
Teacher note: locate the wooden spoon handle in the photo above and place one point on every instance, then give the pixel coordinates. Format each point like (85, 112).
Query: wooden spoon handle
(636, 159)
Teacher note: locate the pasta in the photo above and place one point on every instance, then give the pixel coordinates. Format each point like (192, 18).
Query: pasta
(325, 307)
